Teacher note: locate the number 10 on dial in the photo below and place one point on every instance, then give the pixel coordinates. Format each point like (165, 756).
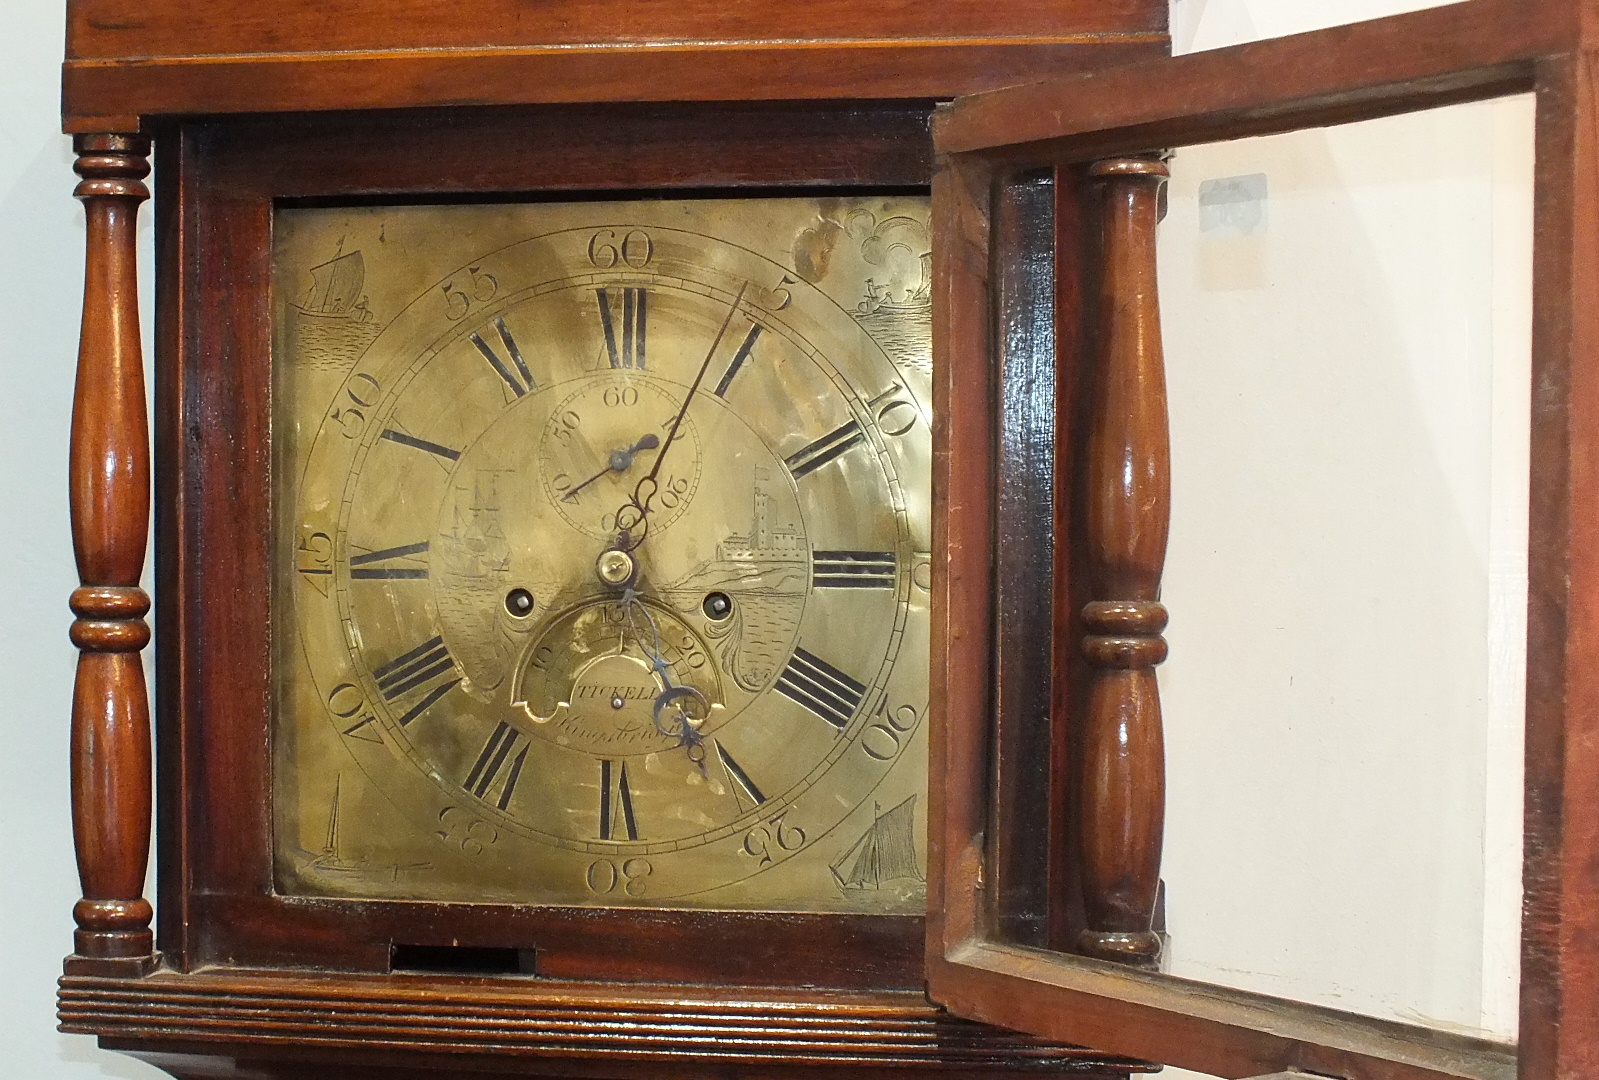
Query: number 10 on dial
(605, 568)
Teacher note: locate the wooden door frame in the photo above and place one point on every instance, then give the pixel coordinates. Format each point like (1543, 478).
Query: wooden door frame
(1468, 51)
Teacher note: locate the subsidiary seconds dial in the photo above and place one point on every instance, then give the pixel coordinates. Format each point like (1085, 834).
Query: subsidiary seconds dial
(606, 434)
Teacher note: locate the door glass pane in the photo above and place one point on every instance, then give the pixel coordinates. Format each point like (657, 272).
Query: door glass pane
(1347, 326)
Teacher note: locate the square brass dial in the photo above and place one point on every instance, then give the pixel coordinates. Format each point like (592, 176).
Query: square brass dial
(602, 552)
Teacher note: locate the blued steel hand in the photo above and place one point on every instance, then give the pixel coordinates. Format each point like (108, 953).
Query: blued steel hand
(640, 502)
(621, 461)
(677, 698)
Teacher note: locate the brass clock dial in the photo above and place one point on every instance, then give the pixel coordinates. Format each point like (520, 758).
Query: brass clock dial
(603, 553)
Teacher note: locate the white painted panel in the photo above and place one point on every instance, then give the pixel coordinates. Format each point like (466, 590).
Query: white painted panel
(1346, 315)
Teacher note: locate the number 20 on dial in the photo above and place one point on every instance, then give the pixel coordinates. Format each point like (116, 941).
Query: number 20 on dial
(603, 576)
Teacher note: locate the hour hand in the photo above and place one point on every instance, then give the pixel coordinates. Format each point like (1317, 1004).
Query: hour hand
(621, 461)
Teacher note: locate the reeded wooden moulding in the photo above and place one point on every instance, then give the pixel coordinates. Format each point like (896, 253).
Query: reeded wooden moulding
(539, 1018)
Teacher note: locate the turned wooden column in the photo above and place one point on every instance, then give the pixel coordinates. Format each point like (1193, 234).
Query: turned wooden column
(1128, 492)
(110, 482)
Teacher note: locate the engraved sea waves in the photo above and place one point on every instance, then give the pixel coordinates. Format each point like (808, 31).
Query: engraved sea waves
(862, 836)
(767, 569)
(331, 325)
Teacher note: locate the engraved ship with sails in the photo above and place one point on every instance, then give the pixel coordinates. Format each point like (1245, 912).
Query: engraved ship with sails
(879, 301)
(335, 291)
(476, 547)
(329, 858)
(331, 325)
(886, 852)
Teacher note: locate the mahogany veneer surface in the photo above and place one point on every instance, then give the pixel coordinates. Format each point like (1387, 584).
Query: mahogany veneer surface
(131, 61)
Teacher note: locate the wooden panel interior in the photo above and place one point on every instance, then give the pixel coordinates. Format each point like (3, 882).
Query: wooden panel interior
(1026, 514)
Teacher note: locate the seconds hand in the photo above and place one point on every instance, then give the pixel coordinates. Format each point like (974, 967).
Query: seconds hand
(638, 501)
(621, 461)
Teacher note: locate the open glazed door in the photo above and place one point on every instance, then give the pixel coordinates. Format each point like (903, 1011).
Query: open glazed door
(1053, 487)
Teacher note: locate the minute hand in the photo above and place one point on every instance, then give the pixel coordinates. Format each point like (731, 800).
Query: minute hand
(640, 501)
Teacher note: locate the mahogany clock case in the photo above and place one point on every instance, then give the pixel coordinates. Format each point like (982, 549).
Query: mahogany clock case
(245, 973)
(260, 104)
(213, 449)
(410, 988)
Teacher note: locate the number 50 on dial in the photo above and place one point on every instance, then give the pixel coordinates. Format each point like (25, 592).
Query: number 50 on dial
(603, 559)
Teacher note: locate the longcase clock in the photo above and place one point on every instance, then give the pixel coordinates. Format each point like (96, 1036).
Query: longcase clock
(659, 518)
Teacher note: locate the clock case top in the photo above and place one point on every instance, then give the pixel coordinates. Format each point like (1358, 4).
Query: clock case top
(129, 62)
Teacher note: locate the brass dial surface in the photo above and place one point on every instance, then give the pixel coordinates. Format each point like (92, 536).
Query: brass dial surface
(602, 561)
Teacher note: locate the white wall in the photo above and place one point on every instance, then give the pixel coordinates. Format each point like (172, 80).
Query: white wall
(40, 283)
(1211, 24)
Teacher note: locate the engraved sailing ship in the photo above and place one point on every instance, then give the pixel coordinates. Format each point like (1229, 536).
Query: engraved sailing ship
(879, 299)
(898, 311)
(332, 321)
(475, 548)
(896, 307)
(328, 859)
(885, 853)
(335, 291)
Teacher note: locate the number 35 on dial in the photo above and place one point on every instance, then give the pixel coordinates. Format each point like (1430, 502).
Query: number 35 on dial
(602, 569)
